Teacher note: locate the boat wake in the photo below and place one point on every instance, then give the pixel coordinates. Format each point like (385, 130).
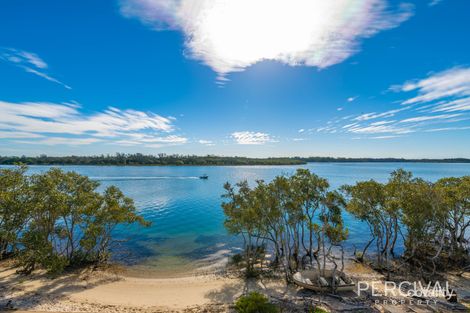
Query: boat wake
(117, 178)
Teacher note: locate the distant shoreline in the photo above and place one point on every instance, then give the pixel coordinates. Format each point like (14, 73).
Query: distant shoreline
(209, 160)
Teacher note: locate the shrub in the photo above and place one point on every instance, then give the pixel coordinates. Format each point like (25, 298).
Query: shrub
(59, 219)
(14, 206)
(255, 303)
(237, 259)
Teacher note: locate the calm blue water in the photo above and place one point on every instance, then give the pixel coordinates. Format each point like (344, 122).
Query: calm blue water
(187, 229)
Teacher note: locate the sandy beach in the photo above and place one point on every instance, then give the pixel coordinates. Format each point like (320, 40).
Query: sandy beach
(112, 291)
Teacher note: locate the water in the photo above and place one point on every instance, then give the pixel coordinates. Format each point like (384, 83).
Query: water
(187, 221)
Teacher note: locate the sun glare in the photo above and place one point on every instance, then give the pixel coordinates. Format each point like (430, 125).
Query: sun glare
(244, 32)
(230, 35)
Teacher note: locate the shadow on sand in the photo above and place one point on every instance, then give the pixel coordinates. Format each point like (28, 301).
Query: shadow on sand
(18, 291)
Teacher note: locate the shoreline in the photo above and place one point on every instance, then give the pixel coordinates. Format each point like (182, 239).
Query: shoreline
(397, 161)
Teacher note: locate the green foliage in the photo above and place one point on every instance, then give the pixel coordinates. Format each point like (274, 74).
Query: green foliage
(62, 219)
(300, 220)
(454, 195)
(254, 303)
(367, 202)
(432, 217)
(14, 206)
(141, 159)
(178, 159)
(296, 216)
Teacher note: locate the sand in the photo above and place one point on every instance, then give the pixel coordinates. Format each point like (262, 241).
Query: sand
(173, 293)
(113, 291)
(81, 291)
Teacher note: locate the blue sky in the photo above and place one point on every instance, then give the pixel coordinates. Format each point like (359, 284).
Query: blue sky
(362, 78)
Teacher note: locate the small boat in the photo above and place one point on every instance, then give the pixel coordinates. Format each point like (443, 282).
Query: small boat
(310, 279)
(203, 176)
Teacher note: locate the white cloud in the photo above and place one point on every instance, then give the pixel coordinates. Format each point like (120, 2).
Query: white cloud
(450, 84)
(452, 106)
(428, 118)
(445, 88)
(442, 92)
(231, 35)
(374, 115)
(350, 125)
(45, 76)
(385, 137)
(434, 2)
(351, 99)
(113, 125)
(380, 129)
(327, 129)
(13, 134)
(44, 110)
(63, 141)
(63, 118)
(447, 129)
(382, 122)
(446, 91)
(206, 142)
(362, 124)
(29, 62)
(151, 141)
(32, 59)
(251, 138)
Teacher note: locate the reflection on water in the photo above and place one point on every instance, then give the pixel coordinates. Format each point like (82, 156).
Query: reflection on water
(187, 221)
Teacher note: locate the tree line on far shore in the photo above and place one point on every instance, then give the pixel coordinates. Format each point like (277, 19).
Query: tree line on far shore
(58, 219)
(298, 219)
(124, 159)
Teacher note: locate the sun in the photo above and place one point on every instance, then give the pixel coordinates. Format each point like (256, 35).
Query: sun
(243, 32)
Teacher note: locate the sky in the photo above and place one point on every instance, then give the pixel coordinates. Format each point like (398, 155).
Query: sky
(259, 78)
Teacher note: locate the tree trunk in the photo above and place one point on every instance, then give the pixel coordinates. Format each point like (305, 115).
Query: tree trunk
(361, 258)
